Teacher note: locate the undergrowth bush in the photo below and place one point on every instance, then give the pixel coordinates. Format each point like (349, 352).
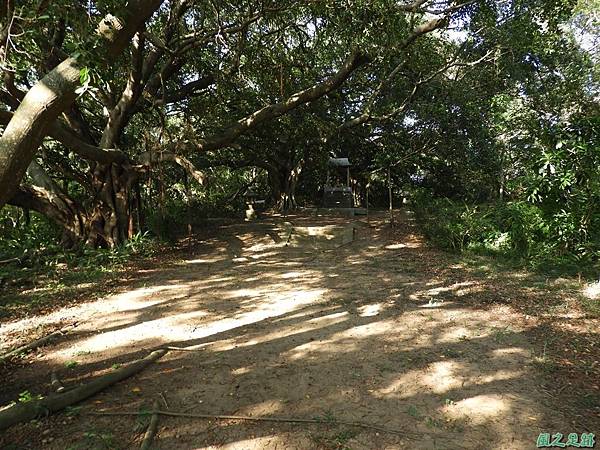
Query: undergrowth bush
(172, 223)
(32, 256)
(22, 234)
(517, 230)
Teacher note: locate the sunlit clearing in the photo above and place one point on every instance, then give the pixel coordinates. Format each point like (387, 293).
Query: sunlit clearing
(369, 310)
(164, 329)
(136, 299)
(346, 341)
(480, 409)
(120, 307)
(294, 329)
(443, 376)
(592, 291)
(182, 326)
(399, 246)
(266, 308)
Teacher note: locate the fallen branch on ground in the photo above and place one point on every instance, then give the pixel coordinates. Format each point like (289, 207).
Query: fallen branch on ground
(35, 344)
(56, 383)
(152, 429)
(254, 419)
(22, 412)
(10, 260)
(192, 348)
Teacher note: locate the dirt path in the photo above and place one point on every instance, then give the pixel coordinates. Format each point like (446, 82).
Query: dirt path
(383, 330)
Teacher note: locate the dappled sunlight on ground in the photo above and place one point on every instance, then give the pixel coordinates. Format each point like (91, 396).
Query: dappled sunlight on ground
(371, 332)
(480, 408)
(403, 245)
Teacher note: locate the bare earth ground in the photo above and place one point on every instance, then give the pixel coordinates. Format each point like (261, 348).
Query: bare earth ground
(383, 330)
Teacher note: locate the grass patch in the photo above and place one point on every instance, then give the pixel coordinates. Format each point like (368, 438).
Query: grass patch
(335, 441)
(55, 274)
(590, 306)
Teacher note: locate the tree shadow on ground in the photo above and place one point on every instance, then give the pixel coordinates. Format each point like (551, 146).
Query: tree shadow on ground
(379, 331)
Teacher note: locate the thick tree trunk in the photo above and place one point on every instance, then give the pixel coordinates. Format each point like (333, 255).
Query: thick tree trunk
(111, 220)
(54, 93)
(31, 122)
(107, 222)
(283, 181)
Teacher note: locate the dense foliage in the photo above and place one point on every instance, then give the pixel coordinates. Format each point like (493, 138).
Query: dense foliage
(164, 113)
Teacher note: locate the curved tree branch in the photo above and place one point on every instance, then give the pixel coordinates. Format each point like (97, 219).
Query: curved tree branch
(55, 93)
(318, 90)
(69, 139)
(148, 158)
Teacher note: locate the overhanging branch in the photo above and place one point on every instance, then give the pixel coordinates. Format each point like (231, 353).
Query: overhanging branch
(148, 158)
(354, 61)
(70, 140)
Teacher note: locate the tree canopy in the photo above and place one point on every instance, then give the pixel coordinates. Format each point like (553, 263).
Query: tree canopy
(109, 108)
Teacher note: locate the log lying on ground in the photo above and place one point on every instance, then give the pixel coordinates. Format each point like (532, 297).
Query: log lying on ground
(22, 412)
(56, 383)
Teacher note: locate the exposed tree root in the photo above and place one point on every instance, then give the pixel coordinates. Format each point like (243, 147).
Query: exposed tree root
(22, 412)
(256, 419)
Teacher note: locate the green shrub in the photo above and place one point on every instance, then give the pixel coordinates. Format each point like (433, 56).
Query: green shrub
(517, 230)
(21, 236)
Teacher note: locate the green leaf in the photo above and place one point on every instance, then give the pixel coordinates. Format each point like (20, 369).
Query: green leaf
(84, 76)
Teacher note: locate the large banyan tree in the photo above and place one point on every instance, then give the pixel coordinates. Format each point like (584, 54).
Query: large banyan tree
(96, 94)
